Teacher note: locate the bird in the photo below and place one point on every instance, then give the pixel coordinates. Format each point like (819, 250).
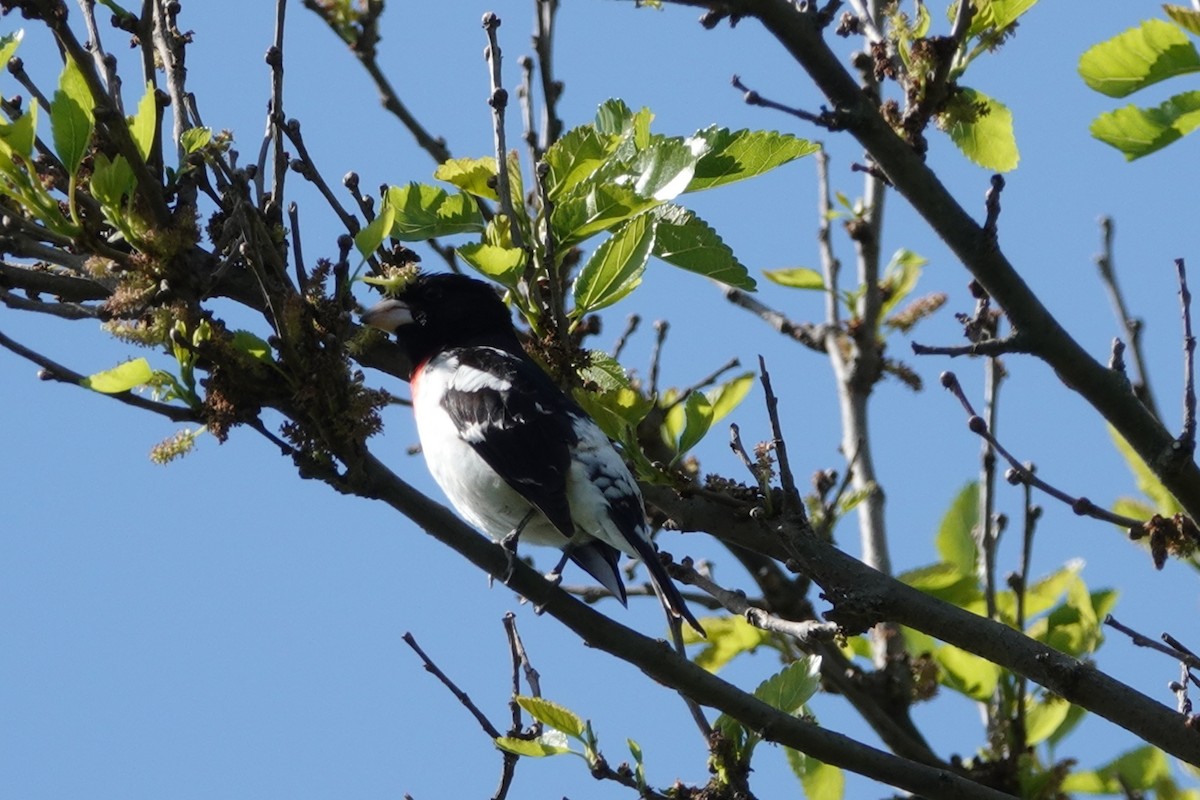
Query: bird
(515, 455)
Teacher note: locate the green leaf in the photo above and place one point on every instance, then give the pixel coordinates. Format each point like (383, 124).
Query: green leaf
(504, 265)
(1134, 770)
(966, 672)
(1184, 17)
(613, 117)
(819, 780)
(553, 715)
(793, 686)
(728, 637)
(1043, 717)
(194, 139)
(120, 378)
(535, 748)
(368, 239)
(476, 176)
(9, 44)
(737, 155)
(574, 157)
(900, 278)
(1137, 58)
(684, 240)
(253, 346)
(1137, 132)
(796, 278)
(71, 116)
(19, 135)
(604, 371)
(698, 418)
(144, 124)
(428, 212)
(112, 181)
(1147, 482)
(594, 208)
(616, 268)
(982, 129)
(955, 536)
(662, 169)
(945, 582)
(727, 396)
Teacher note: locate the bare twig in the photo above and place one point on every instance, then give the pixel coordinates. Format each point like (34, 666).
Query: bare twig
(809, 335)
(1132, 326)
(498, 100)
(462, 696)
(543, 46)
(792, 504)
(631, 325)
(52, 370)
(753, 98)
(830, 266)
(1187, 439)
(661, 326)
(1019, 473)
(992, 203)
(1181, 654)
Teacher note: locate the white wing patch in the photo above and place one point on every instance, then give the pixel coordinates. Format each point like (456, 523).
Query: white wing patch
(469, 379)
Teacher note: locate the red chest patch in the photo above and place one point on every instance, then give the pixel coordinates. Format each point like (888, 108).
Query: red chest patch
(414, 380)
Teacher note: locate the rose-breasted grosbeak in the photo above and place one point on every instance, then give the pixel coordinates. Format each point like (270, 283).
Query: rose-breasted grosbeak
(514, 454)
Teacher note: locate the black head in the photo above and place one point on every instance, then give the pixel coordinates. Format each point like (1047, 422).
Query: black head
(437, 311)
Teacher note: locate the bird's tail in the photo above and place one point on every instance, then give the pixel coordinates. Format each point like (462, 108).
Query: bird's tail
(666, 589)
(599, 559)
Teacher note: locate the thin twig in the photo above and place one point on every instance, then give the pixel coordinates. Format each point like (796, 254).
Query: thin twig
(543, 46)
(992, 204)
(498, 100)
(52, 370)
(753, 98)
(1132, 326)
(1141, 640)
(703, 383)
(1187, 439)
(830, 266)
(462, 696)
(792, 504)
(661, 326)
(810, 335)
(1019, 473)
(631, 325)
(806, 633)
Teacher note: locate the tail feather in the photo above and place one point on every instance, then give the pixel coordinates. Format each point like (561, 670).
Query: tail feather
(664, 587)
(599, 559)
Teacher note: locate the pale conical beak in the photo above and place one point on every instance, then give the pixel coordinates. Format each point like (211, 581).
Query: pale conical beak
(388, 315)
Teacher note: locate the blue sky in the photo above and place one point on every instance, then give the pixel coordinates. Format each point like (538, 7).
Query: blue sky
(219, 627)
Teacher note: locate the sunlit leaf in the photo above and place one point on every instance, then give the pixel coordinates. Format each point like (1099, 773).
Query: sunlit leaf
(820, 781)
(737, 155)
(615, 268)
(793, 686)
(1138, 132)
(727, 638)
(613, 117)
(194, 139)
(684, 240)
(427, 212)
(1147, 482)
(945, 582)
(18, 136)
(1185, 17)
(796, 277)
(120, 378)
(595, 208)
(1135, 770)
(982, 129)
(9, 44)
(71, 116)
(1043, 717)
(502, 264)
(1137, 58)
(955, 537)
(535, 748)
(698, 418)
(112, 182)
(604, 371)
(253, 346)
(900, 278)
(575, 156)
(552, 714)
(966, 672)
(369, 238)
(728, 395)
(144, 124)
(476, 176)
